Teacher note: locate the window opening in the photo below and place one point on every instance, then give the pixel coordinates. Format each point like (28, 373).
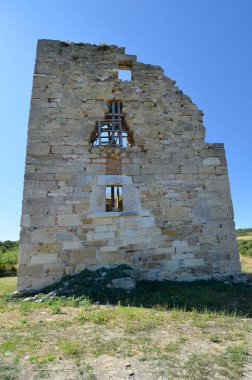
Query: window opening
(112, 130)
(114, 199)
(124, 75)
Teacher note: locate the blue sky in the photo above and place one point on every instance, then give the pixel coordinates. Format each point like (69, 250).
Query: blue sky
(205, 45)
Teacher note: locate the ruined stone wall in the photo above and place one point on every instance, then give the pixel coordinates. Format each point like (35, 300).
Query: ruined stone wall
(177, 218)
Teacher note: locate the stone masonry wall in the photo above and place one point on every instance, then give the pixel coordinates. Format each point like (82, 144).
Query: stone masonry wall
(177, 218)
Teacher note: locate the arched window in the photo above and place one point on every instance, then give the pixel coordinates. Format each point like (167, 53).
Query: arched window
(112, 130)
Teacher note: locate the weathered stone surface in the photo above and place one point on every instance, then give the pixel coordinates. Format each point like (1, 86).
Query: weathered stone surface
(84, 255)
(43, 258)
(211, 161)
(68, 220)
(126, 283)
(177, 217)
(38, 149)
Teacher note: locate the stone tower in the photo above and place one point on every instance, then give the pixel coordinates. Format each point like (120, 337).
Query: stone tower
(117, 171)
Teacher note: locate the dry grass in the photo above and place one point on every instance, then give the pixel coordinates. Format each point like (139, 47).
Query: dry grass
(65, 339)
(246, 263)
(103, 342)
(7, 285)
(70, 338)
(248, 237)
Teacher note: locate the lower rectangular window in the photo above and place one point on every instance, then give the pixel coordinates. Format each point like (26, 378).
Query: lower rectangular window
(114, 198)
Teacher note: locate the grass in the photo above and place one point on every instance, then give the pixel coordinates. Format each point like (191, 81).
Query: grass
(37, 359)
(56, 309)
(244, 240)
(8, 258)
(172, 330)
(246, 263)
(245, 248)
(7, 285)
(247, 268)
(227, 364)
(244, 231)
(69, 347)
(166, 346)
(213, 295)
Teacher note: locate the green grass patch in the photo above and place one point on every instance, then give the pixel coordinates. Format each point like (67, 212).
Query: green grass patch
(215, 339)
(56, 310)
(70, 347)
(210, 366)
(8, 258)
(247, 268)
(245, 248)
(25, 307)
(37, 359)
(7, 285)
(7, 346)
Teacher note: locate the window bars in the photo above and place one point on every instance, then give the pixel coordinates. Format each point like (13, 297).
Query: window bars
(110, 131)
(114, 198)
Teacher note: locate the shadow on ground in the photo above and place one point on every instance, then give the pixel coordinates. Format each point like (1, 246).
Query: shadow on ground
(198, 295)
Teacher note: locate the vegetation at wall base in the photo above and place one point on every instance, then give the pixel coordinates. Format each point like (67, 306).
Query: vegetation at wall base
(8, 258)
(245, 248)
(200, 295)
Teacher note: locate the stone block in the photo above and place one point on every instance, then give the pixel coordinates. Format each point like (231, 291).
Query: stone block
(69, 245)
(84, 255)
(63, 176)
(69, 270)
(126, 283)
(87, 220)
(44, 258)
(102, 229)
(159, 257)
(110, 248)
(148, 222)
(38, 149)
(68, 220)
(131, 169)
(42, 221)
(48, 248)
(215, 161)
(42, 282)
(114, 180)
(57, 269)
(100, 235)
(169, 232)
(65, 236)
(30, 270)
(179, 213)
(111, 257)
(25, 221)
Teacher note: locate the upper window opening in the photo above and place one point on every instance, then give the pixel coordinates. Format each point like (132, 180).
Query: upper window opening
(114, 199)
(124, 75)
(112, 130)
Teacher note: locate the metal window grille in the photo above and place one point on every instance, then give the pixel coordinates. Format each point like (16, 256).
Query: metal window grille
(110, 131)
